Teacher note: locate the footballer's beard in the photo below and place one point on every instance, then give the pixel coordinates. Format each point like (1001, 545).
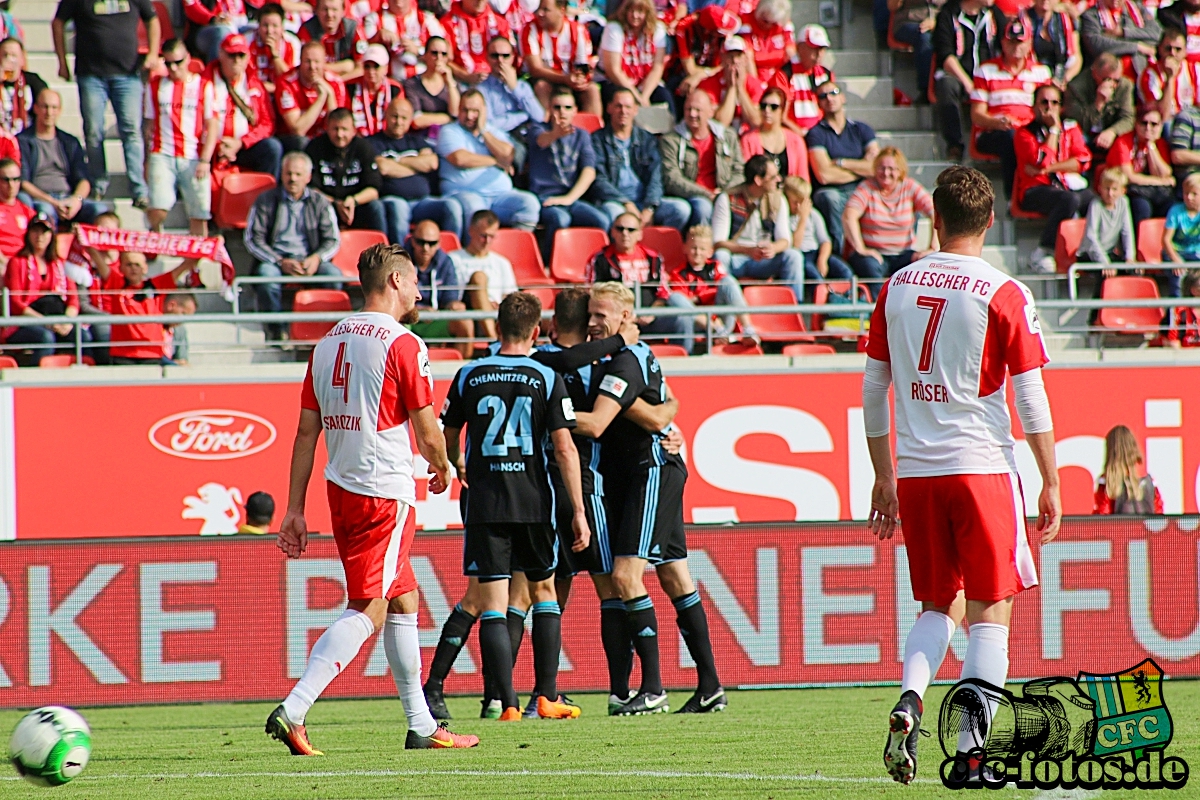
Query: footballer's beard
(412, 317)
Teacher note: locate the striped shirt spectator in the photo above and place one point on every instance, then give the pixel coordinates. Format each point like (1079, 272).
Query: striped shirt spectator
(1009, 92)
(560, 51)
(274, 51)
(880, 219)
(470, 25)
(176, 112)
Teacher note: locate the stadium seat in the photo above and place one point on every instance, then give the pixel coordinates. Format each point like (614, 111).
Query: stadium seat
(165, 25)
(521, 248)
(309, 300)
(60, 360)
(1149, 240)
(775, 327)
(1016, 212)
(739, 349)
(450, 242)
(8, 362)
(589, 122)
(1130, 320)
(821, 297)
(353, 243)
(808, 350)
(573, 248)
(546, 294)
(1066, 246)
(444, 354)
(668, 243)
(892, 42)
(972, 152)
(236, 197)
(668, 350)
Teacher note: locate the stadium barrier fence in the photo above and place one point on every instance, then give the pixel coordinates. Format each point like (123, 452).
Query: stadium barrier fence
(789, 604)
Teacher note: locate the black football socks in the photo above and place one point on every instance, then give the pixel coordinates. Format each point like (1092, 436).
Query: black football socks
(618, 648)
(693, 624)
(643, 627)
(454, 636)
(547, 643)
(497, 655)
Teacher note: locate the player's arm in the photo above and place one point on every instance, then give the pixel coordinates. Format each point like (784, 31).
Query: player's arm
(594, 423)
(293, 531)
(432, 446)
(454, 452)
(568, 465)
(580, 355)
(653, 418)
(885, 506)
(1033, 409)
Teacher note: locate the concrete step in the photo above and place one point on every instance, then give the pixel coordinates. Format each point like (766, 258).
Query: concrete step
(853, 62)
(869, 91)
(44, 64)
(39, 40)
(27, 11)
(893, 118)
(915, 146)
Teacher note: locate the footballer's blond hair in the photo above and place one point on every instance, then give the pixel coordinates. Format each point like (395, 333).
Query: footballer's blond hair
(618, 292)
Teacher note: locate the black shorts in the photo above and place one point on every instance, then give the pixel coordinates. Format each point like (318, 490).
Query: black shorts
(495, 551)
(597, 558)
(645, 514)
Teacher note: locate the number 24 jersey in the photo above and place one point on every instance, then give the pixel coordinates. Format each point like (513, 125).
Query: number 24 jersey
(509, 404)
(950, 326)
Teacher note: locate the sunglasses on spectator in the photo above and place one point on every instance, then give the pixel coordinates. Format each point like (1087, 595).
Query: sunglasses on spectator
(438, 53)
(561, 107)
(770, 106)
(831, 93)
(426, 242)
(617, 228)
(174, 63)
(7, 179)
(500, 55)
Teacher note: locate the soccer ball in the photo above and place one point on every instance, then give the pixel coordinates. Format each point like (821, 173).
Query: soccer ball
(50, 746)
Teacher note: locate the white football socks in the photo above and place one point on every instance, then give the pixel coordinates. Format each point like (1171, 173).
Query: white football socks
(403, 648)
(924, 650)
(336, 648)
(987, 660)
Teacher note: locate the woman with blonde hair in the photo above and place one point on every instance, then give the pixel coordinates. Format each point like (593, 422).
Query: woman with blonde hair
(632, 52)
(783, 146)
(1122, 489)
(880, 220)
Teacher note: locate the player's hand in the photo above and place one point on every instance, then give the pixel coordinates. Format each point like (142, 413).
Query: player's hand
(439, 478)
(884, 508)
(1049, 513)
(673, 441)
(583, 534)
(460, 470)
(293, 535)
(629, 332)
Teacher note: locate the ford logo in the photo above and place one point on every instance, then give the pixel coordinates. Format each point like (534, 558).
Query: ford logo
(213, 434)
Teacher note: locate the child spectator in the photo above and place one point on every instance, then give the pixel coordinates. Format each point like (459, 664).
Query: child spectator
(1185, 323)
(811, 238)
(702, 281)
(260, 510)
(1181, 236)
(1109, 233)
(1122, 489)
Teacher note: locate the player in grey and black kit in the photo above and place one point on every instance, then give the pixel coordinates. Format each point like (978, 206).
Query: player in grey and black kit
(643, 488)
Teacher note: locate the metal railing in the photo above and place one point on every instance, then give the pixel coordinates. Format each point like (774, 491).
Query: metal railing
(1123, 266)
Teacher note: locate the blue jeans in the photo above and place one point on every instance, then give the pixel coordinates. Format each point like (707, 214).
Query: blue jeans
(125, 93)
(209, 38)
(838, 270)
(672, 212)
(831, 201)
(577, 215)
(922, 43)
(42, 341)
(729, 293)
(870, 268)
(515, 208)
(786, 267)
(265, 157)
(270, 295)
(401, 212)
(88, 210)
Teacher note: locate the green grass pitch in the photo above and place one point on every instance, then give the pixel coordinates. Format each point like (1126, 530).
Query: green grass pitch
(824, 743)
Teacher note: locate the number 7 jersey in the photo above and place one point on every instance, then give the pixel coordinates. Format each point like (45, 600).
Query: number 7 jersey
(950, 326)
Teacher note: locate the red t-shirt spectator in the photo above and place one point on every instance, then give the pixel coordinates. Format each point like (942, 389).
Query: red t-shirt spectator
(1128, 150)
(26, 285)
(293, 94)
(702, 35)
(347, 44)
(200, 14)
(707, 150)
(370, 108)
(468, 35)
(1009, 93)
(9, 148)
(14, 220)
(1032, 149)
(145, 340)
(770, 47)
(1152, 81)
(262, 61)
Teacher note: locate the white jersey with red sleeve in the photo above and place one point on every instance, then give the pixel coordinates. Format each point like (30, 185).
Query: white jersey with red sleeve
(176, 111)
(950, 326)
(558, 51)
(363, 379)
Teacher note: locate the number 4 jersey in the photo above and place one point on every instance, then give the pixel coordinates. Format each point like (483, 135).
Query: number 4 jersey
(949, 326)
(509, 404)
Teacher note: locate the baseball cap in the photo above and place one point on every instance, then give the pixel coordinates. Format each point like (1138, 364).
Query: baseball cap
(377, 54)
(1018, 31)
(734, 43)
(814, 36)
(235, 43)
(42, 219)
(718, 18)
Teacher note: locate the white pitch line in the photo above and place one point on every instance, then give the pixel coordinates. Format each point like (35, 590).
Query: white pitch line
(729, 776)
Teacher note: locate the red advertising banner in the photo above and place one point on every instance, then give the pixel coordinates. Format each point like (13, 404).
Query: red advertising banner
(176, 459)
(184, 619)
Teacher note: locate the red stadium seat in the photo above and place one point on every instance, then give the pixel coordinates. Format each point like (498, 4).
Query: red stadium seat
(309, 300)
(165, 26)
(521, 248)
(450, 241)
(971, 151)
(775, 327)
(353, 243)
(808, 350)
(668, 243)
(1130, 320)
(8, 362)
(444, 354)
(668, 350)
(1016, 212)
(1149, 240)
(1066, 246)
(821, 297)
(573, 248)
(739, 349)
(546, 294)
(60, 360)
(236, 197)
(589, 122)
(892, 42)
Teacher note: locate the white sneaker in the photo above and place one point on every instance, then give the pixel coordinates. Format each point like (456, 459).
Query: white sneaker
(1042, 261)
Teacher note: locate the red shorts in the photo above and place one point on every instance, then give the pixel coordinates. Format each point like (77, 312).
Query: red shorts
(965, 532)
(373, 536)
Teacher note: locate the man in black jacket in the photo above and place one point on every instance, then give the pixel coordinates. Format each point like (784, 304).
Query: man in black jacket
(54, 176)
(344, 170)
(291, 230)
(966, 34)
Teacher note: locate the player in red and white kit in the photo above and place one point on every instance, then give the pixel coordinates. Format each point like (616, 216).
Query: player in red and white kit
(945, 330)
(367, 378)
